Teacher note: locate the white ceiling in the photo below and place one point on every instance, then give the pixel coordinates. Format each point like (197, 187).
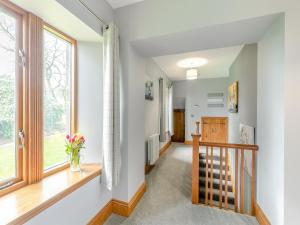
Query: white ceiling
(203, 38)
(56, 15)
(120, 3)
(219, 62)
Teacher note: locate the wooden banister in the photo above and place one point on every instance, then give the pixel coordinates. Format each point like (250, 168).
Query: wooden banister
(242, 182)
(237, 176)
(236, 182)
(195, 169)
(228, 145)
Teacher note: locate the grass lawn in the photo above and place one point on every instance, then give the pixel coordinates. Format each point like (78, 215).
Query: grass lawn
(54, 148)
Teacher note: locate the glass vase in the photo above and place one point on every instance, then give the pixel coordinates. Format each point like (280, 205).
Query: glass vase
(75, 160)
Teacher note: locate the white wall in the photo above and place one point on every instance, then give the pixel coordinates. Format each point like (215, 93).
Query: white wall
(195, 94)
(153, 73)
(78, 208)
(157, 18)
(101, 8)
(90, 98)
(83, 204)
(244, 70)
(270, 127)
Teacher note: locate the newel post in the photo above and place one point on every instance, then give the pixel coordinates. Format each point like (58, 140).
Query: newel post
(195, 165)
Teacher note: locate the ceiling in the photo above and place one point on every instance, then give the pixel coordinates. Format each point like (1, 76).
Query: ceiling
(219, 62)
(120, 3)
(216, 36)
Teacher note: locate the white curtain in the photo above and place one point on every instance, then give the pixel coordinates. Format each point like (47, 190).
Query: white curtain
(111, 107)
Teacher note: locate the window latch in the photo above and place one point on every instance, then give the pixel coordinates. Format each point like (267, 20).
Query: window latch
(21, 135)
(22, 56)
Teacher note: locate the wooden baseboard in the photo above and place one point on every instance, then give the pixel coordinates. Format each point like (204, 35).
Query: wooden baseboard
(125, 209)
(187, 142)
(102, 215)
(164, 148)
(118, 207)
(260, 216)
(148, 168)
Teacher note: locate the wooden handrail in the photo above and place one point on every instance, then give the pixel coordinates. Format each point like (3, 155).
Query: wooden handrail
(220, 152)
(228, 145)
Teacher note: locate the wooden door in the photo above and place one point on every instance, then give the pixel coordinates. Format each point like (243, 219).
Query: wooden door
(179, 125)
(214, 129)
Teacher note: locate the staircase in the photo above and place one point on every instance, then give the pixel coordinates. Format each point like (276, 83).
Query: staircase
(215, 181)
(212, 183)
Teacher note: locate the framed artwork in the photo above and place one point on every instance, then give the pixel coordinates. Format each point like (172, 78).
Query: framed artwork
(149, 90)
(233, 97)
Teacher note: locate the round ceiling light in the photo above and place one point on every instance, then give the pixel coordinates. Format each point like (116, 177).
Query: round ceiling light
(192, 62)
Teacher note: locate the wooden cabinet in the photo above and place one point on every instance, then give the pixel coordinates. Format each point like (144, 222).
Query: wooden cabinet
(214, 129)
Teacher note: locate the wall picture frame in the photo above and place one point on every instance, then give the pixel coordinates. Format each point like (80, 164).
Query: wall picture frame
(233, 93)
(149, 90)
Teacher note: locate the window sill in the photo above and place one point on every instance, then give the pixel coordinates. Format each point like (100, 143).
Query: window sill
(23, 204)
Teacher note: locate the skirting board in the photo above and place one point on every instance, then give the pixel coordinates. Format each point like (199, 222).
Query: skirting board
(164, 148)
(188, 142)
(260, 216)
(148, 168)
(118, 207)
(103, 215)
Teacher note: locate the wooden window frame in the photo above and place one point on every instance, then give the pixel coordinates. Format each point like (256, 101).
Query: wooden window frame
(25, 169)
(21, 166)
(73, 109)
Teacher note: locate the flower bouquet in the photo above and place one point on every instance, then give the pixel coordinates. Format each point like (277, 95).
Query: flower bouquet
(74, 144)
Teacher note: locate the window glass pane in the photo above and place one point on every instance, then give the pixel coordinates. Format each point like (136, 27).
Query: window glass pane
(8, 27)
(57, 98)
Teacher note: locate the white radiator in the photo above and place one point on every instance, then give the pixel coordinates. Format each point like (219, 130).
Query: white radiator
(153, 149)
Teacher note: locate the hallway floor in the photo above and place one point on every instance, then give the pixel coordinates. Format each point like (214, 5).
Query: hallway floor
(167, 200)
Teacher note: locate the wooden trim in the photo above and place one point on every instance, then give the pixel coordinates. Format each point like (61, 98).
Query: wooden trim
(125, 209)
(165, 148)
(148, 168)
(20, 15)
(221, 179)
(188, 142)
(226, 179)
(227, 145)
(12, 6)
(260, 216)
(35, 104)
(13, 187)
(236, 190)
(59, 33)
(56, 169)
(102, 215)
(178, 110)
(195, 169)
(211, 176)
(206, 176)
(31, 200)
(253, 183)
(242, 182)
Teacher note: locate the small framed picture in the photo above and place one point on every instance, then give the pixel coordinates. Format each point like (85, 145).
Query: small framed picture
(233, 98)
(149, 90)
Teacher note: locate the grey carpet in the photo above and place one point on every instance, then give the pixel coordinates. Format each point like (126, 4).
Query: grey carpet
(168, 197)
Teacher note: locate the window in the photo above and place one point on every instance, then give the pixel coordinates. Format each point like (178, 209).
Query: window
(37, 104)
(11, 95)
(57, 97)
